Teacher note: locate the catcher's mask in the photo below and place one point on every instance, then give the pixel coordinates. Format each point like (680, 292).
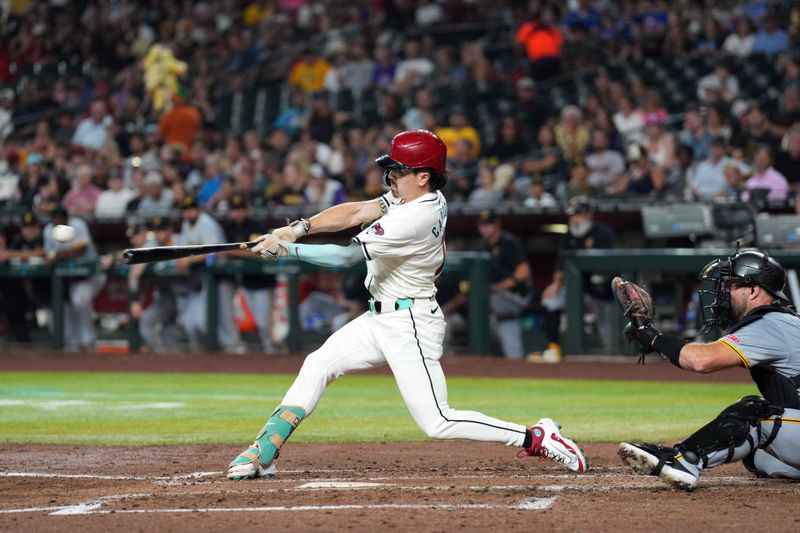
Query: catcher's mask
(746, 268)
(416, 150)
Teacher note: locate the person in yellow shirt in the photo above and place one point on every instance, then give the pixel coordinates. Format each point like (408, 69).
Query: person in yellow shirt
(308, 74)
(257, 11)
(459, 129)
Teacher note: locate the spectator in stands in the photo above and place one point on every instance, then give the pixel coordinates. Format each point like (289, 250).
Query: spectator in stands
(485, 195)
(757, 131)
(678, 174)
(458, 129)
(384, 67)
(546, 159)
(79, 333)
(529, 110)
(572, 134)
(323, 192)
(6, 113)
(179, 125)
(413, 69)
(308, 73)
(538, 196)
(447, 73)
(766, 177)
(156, 200)
(719, 87)
(659, 144)
(32, 180)
(788, 113)
(787, 161)
(413, 118)
(695, 133)
(643, 177)
(320, 123)
(292, 190)
(112, 201)
(628, 122)
(652, 110)
(511, 290)
(740, 42)
(717, 124)
(770, 39)
(81, 200)
(462, 167)
(542, 42)
(16, 296)
(508, 145)
(92, 130)
(584, 233)
(711, 39)
(579, 182)
(734, 188)
(358, 71)
(708, 179)
(604, 164)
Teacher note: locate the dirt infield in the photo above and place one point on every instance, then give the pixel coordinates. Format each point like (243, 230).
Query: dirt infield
(428, 486)
(370, 487)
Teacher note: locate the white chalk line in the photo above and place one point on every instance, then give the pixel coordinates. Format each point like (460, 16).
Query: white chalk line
(534, 504)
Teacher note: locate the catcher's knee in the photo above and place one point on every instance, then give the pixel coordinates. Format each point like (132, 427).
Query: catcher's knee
(731, 429)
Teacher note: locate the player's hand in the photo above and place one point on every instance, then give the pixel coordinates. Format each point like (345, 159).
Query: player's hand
(136, 310)
(279, 249)
(266, 242)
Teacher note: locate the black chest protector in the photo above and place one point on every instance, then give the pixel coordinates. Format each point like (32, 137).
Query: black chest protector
(774, 387)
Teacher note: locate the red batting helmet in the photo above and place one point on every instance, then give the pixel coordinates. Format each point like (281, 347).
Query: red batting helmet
(417, 149)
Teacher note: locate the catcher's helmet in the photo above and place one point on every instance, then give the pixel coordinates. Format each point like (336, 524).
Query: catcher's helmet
(416, 150)
(745, 268)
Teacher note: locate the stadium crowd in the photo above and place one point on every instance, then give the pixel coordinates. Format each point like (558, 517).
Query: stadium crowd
(125, 109)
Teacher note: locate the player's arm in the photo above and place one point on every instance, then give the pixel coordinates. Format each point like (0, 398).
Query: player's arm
(328, 255)
(710, 357)
(336, 218)
(521, 274)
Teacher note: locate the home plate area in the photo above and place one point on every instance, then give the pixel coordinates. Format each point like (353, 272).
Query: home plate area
(430, 486)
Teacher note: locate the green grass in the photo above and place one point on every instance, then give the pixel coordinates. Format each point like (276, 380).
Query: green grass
(143, 409)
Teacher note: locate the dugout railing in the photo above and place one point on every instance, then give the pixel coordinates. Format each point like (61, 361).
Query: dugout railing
(473, 266)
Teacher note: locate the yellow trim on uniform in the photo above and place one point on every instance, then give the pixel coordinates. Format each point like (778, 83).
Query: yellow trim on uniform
(789, 420)
(679, 456)
(737, 352)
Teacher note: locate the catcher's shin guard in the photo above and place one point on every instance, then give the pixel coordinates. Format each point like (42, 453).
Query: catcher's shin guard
(732, 436)
(257, 459)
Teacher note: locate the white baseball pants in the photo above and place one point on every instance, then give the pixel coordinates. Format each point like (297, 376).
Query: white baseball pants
(410, 342)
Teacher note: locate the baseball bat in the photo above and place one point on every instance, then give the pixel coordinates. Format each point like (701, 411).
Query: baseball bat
(133, 256)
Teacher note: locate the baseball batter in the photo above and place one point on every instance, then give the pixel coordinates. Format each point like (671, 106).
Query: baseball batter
(761, 431)
(403, 245)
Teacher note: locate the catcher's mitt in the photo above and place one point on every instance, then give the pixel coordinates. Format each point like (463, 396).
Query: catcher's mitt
(635, 302)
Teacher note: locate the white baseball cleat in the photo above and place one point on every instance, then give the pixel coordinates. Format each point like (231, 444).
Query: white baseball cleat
(655, 460)
(549, 443)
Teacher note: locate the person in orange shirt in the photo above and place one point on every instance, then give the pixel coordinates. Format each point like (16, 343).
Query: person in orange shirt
(542, 41)
(179, 125)
(459, 129)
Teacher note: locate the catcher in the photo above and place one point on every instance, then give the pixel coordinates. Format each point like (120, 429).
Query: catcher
(763, 335)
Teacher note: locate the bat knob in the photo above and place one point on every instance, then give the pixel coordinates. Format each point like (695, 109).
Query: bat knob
(127, 256)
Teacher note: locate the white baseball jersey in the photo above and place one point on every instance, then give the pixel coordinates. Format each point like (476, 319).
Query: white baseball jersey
(405, 248)
(205, 230)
